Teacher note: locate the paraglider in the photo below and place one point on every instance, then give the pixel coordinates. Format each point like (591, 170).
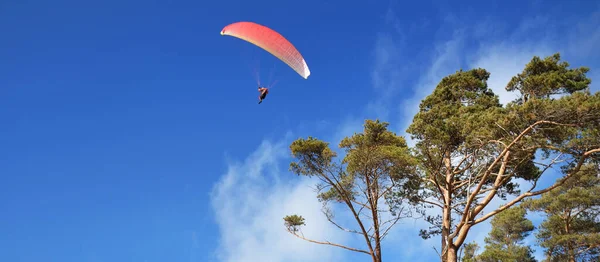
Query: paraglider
(271, 41)
(263, 93)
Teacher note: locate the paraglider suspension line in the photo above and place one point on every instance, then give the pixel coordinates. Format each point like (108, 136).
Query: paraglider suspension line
(257, 75)
(256, 72)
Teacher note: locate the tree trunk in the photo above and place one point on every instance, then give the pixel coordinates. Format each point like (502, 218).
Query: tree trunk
(452, 252)
(446, 241)
(571, 253)
(447, 212)
(570, 249)
(376, 256)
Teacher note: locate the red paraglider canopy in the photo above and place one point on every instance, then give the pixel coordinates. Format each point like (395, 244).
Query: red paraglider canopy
(270, 41)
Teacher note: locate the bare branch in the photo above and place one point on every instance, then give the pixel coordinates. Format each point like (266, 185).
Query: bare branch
(386, 231)
(386, 191)
(458, 171)
(535, 193)
(468, 214)
(330, 219)
(432, 203)
(554, 161)
(507, 132)
(361, 204)
(347, 199)
(502, 156)
(329, 243)
(366, 214)
(498, 142)
(461, 183)
(587, 249)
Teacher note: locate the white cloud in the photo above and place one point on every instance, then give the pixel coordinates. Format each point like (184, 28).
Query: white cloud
(250, 202)
(387, 74)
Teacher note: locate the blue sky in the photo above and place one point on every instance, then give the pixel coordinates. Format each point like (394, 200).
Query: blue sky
(131, 130)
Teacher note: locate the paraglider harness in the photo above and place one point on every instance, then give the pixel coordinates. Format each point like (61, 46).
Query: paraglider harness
(263, 93)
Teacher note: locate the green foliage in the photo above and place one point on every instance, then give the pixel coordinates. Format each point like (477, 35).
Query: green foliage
(314, 156)
(386, 157)
(453, 113)
(542, 78)
(377, 166)
(470, 252)
(294, 222)
(510, 227)
(504, 242)
(572, 228)
(457, 119)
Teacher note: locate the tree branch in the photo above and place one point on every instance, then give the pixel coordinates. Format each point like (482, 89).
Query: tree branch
(348, 199)
(394, 221)
(329, 243)
(432, 203)
(502, 156)
(535, 193)
(458, 171)
(468, 214)
(544, 170)
(342, 228)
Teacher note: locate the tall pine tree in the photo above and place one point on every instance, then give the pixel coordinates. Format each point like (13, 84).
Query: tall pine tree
(505, 240)
(571, 231)
(472, 149)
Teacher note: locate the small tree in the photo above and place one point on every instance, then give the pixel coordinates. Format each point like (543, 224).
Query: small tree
(504, 242)
(471, 149)
(571, 231)
(376, 170)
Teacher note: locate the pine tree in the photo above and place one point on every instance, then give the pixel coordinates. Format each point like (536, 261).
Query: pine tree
(505, 240)
(571, 230)
(472, 149)
(376, 170)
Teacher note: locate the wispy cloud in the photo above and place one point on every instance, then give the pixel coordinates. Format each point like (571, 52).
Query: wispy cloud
(585, 39)
(446, 59)
(250, 201)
